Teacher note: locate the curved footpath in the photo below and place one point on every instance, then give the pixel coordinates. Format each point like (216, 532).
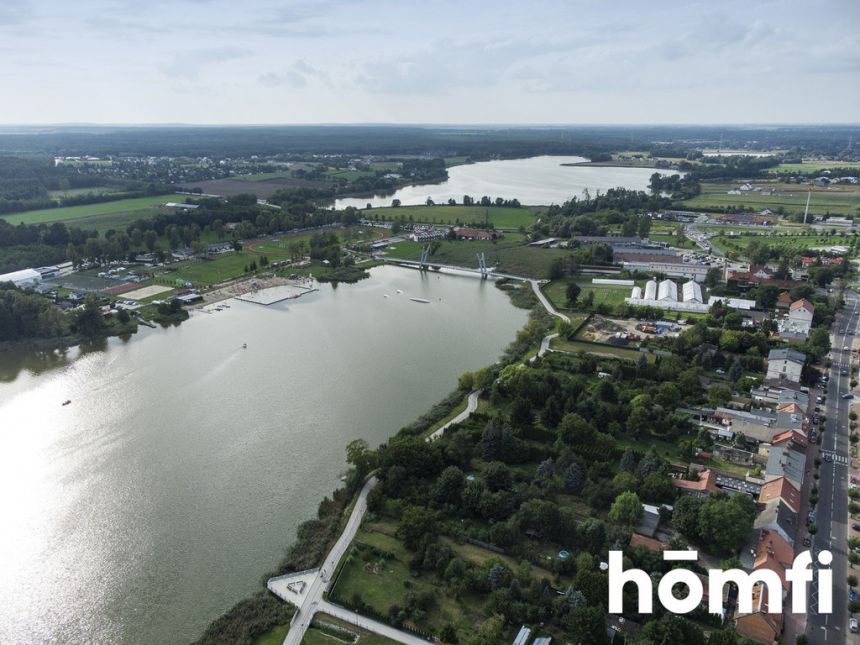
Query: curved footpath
(305, 589)
(544, 344)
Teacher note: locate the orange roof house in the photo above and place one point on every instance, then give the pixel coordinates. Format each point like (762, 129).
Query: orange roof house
(774, 553)
(649, 543)
(780, 488)
(706, 484)
(760, 625)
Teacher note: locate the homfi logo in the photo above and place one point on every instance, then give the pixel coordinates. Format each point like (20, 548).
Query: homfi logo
(798, 576)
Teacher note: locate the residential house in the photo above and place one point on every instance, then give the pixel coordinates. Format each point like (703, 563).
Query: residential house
(705, 484)
(780, 488)
(783, 301)
(799, 320)
(786, 460)
(760, 626)
(778, 518)
(775, 553)
(785, 364)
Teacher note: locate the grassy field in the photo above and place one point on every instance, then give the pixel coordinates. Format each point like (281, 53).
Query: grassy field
(672, 240)
(611, 295)
(379, 583)
(72, 192)
(795, 243)
(600, 350)
(499, 216)
(509, 254)
(80, 214)
(837, 200)
(815, 166)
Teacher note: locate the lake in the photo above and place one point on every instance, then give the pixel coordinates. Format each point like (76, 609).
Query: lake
(533, 181)
(179, 472)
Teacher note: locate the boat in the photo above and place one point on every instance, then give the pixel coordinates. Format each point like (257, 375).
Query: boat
(400, 291)
(244, 345)
(66, 402)
(421, 300)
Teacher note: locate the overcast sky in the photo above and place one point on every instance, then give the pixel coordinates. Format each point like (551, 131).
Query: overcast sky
(433, 61)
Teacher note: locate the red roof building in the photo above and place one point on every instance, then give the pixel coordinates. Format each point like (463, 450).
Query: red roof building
(704, 486)
(780, 488)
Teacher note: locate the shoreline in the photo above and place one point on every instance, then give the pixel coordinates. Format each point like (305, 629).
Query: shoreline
(435, 416)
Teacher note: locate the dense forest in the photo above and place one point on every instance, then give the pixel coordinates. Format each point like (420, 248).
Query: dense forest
(476, 141)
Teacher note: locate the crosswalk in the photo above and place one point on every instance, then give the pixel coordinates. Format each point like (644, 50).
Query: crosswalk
(837, 459)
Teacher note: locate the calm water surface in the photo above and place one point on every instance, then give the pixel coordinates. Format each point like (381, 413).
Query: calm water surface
(537, 180)
(179, 472)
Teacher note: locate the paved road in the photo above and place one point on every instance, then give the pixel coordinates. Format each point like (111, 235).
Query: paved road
(545, 301)
(471, 406)
(369, 624)
(832, 510)
(312, 599)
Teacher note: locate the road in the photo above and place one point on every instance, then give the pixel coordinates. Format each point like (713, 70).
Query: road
(545, 301)
(369, 624)
(471, 406)
(310, 604)
(832, 510)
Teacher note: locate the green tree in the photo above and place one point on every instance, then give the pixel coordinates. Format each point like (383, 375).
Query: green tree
(415, 523)
(89, 321)
(361, 457)
(626, 510)
(572, 292)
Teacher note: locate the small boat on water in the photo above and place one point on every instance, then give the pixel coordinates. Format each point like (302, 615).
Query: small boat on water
(244, 345)
(421, 300)
(400, 291)
(67, 402)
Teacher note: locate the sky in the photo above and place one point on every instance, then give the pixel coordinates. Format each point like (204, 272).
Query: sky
(433, 61)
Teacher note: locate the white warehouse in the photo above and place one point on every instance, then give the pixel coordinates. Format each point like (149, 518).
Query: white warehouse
(22, 279)
(692, 292)
(651, 290)
(667, 290)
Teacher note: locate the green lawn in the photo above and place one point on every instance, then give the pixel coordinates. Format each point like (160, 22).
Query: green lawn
(799, 243)
(841, 200)
(600, 350)
(611, 295)
(672, 240)
(79, 214)
(499, 216)
(71, 192)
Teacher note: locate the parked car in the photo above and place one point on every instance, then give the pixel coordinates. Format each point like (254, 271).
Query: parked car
(854, 625)
(848, 395)
(855, 526)
(853, 595)
(807, 542)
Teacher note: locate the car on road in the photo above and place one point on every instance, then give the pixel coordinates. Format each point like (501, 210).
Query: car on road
(854, 625)
(828, 457)
(844, 372)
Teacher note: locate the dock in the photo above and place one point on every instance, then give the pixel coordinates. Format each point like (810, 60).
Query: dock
(271, 295)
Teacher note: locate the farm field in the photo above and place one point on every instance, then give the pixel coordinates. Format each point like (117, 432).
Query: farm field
(72, 192)
(498, 216)
(814, 166)
(841, 200)
(796, 243)
(509, 254)
(80, 214)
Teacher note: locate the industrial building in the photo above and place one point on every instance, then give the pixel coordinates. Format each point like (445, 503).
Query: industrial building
(23, 279)
(692, 292)
(667, 290)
